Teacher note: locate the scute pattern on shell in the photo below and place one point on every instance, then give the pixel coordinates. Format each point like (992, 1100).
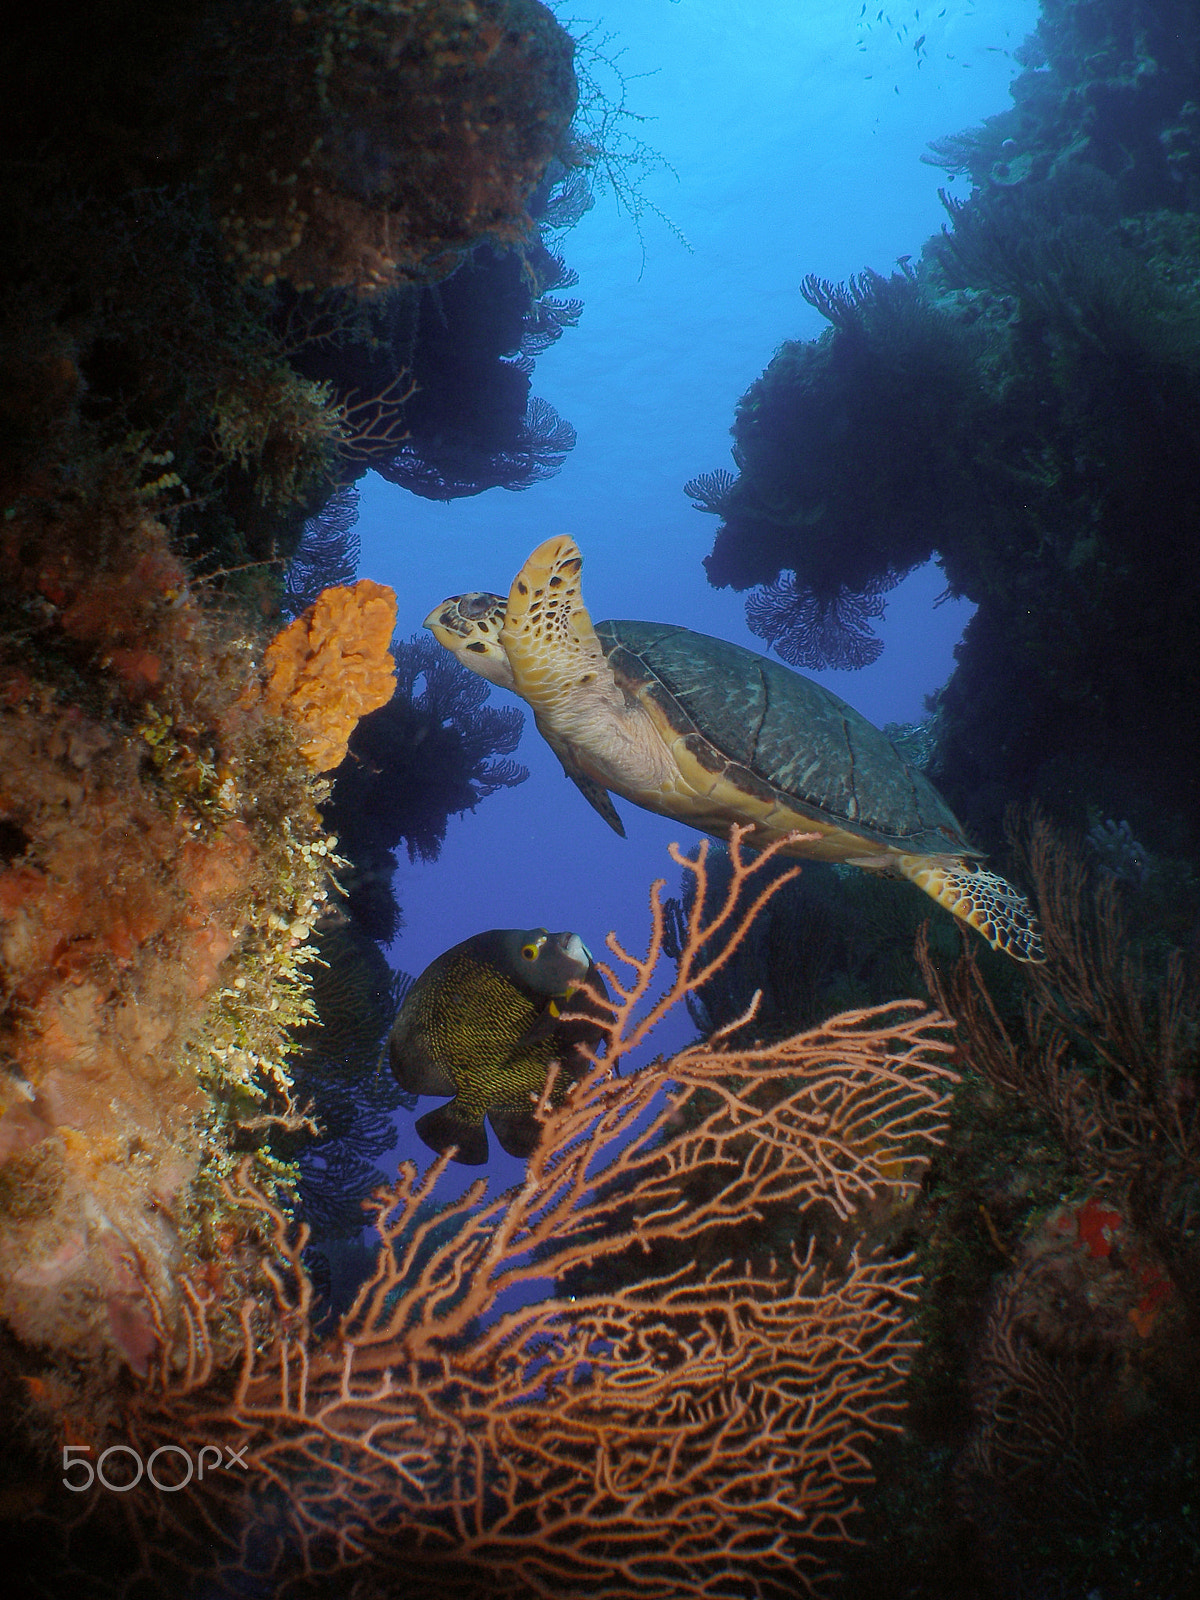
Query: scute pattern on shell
(783, 731)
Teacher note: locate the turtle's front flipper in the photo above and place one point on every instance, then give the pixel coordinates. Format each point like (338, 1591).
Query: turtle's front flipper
(984, 899)
(597, 795)
(548, 636)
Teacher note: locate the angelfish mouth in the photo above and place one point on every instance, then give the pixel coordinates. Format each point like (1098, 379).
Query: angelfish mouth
(573, 947)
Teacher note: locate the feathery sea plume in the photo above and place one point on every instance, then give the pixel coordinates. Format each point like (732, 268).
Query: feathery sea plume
(437, 748)
(1105, 1050)
(709, 491)
(460, 461)
(328, 552)
(819, 631)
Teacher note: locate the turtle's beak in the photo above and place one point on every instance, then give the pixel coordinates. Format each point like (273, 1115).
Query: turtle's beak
(444, 623)
(474, 641)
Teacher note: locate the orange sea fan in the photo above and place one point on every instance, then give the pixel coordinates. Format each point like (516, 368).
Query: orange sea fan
(639, 1372)
(331, 666)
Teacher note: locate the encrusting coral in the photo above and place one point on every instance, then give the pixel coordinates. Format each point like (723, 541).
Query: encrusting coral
(163, 863)
(331, 666)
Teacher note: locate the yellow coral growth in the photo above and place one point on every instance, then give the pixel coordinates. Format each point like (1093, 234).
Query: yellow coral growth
(331, 666)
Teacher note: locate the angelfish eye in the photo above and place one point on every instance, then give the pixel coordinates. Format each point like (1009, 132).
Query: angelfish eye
(533, 949)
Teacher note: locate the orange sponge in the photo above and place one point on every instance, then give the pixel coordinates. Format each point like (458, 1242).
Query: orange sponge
(331, 666)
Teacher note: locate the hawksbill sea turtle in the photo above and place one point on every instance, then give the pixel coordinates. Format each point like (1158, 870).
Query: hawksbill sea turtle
(710, 733)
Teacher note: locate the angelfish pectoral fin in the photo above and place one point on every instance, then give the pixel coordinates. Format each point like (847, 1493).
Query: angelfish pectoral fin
(440, 1129)
(542, 1026)
(984, 900)
(598, 796)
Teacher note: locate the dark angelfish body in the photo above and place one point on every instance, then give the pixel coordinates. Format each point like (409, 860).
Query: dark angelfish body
(483, 1023)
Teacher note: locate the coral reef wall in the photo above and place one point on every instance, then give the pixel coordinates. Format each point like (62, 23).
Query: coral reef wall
(163, 870)
(308, 129)
(195, 198)
(218, 246)
(1023, 404)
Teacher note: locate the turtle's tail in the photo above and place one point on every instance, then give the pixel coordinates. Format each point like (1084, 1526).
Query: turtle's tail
(984, 899)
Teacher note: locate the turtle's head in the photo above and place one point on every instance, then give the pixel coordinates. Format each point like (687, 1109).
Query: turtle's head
(469, 626)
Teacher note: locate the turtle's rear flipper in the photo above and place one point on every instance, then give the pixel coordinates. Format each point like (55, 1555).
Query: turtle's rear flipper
(984, 900)
(597, 795)
(440, 1129)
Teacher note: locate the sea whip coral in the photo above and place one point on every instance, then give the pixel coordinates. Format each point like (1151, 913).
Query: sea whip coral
(331, 666)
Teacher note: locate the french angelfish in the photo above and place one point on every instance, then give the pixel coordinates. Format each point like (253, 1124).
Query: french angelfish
(483, 1023)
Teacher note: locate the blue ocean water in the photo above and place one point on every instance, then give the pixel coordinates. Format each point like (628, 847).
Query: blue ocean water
(194, 369)
(790, 138)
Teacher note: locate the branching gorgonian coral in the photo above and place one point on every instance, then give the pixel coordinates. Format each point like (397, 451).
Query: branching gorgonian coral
(814, 630)
(479, 1424)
